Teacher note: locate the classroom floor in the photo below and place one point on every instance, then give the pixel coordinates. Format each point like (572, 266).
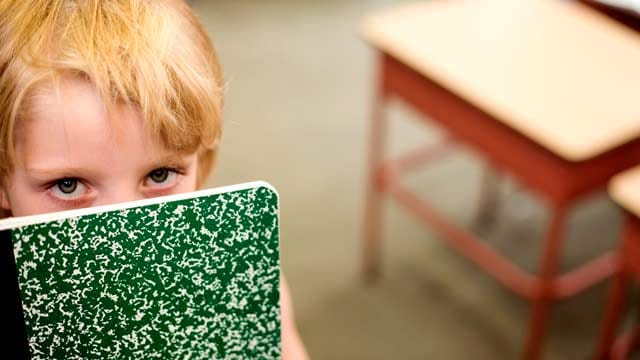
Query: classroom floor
(299, 87)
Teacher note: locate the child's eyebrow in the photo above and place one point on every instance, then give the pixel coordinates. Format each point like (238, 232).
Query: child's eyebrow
(171, 160)
(59, 171)
(46, 171)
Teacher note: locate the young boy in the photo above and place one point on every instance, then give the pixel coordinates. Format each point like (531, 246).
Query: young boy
(108, 101)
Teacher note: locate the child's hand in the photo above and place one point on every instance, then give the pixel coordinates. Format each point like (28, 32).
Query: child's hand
(292, 346)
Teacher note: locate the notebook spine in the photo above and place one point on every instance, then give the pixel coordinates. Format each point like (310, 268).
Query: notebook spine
(14, 343)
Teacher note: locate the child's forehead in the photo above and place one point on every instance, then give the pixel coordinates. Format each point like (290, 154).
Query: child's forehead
(71, 129)
(72, 111)
(57, 96)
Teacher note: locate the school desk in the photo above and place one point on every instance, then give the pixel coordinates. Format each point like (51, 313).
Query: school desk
(617, 11)
(625, 190)
(545, 91)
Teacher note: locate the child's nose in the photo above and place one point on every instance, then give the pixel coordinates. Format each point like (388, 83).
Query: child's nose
(121, 195)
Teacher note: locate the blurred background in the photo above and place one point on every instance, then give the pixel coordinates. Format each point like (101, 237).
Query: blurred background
(299, 88)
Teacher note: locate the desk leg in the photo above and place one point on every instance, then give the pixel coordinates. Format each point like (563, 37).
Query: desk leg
(618, 294)
(612, 315)
(373, 229)
(542, 300)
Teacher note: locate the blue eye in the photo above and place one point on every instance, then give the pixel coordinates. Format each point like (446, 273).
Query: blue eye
(68, 189)
(68, 186)
(159, 175)
(162, 177)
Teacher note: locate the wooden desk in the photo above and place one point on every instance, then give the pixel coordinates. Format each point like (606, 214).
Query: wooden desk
(625, 190)
(627, 16)
(547, 91)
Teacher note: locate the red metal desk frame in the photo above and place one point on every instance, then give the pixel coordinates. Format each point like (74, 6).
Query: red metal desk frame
(629, 269)
(558, 181)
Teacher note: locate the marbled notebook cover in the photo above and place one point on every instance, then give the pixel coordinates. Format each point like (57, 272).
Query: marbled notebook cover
(195, 278)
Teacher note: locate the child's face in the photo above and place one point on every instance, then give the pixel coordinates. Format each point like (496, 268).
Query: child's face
(70, 153)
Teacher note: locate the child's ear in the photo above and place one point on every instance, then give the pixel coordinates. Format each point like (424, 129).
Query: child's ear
(4, 198)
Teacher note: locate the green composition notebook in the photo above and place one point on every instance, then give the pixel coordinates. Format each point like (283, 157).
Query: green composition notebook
(187, 276)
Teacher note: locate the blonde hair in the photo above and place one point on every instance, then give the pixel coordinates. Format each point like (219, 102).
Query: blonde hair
(153, 54)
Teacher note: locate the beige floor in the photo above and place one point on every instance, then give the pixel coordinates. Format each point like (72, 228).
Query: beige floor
(299, 85)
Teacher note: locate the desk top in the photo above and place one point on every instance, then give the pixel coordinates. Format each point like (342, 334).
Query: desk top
(624, 5)
(558, 72)
(624, 188)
